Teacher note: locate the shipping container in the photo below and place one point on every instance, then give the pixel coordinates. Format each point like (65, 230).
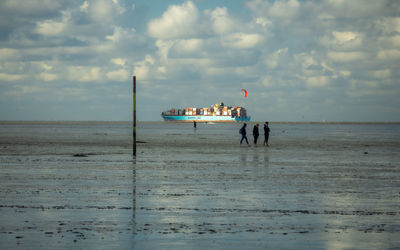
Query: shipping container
(217, 112)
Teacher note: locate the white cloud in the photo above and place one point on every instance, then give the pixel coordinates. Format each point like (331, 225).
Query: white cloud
(118, 61)
(7, 54)
(149, 60)
(273, 60)
(120, 33)
(353, 9)
(30, 7)
(46, 77)
(285, 9)
(188, 45)
(84, 73)
(267, 81)
(46, 66)
(190, 62)
(221, 22)
(163, 48)
(101, 10)
(117, 5)
(141, 71)
(162, 70)
(84, 6)
(11, 77)
(142, 68)
(241, 40)
(264, 22)
(67, 93)
(42, 66)
(279, 9)
(312, 68)
(121, 75)
(346, 56)
(346, 40)
(25, 90)
(317, 81)
(347, 37)
(179, 21)
(388, 25)
(345, 73)
(390, 54)
(343, 37)
(390, 41)
(382, 74)
(53, 28)
(361, 85)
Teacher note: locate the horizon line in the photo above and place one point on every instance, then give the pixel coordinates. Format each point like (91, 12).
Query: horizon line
(144, 121)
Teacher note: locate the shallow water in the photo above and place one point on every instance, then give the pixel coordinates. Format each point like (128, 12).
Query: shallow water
(317, 186)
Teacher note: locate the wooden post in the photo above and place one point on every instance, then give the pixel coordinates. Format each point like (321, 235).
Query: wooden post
(134, 116)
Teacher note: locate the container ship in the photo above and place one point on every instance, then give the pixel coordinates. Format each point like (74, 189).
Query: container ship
(216, 113)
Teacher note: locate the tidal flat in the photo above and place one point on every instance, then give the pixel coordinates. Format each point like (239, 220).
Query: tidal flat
(318, 186)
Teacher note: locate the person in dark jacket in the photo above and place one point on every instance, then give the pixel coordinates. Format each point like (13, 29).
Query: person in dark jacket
(266, 134)
(243, 133)
(255, 134)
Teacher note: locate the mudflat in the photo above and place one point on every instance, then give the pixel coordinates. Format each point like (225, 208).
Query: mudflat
(318, 186)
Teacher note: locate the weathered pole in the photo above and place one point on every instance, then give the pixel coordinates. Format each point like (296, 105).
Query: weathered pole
(134, 116)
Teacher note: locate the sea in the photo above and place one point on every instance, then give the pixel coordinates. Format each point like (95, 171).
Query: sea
(77, 185)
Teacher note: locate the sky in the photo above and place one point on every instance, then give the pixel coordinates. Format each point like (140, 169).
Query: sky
(299, 60)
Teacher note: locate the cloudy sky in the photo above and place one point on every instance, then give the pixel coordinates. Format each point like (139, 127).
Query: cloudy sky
(310, 60)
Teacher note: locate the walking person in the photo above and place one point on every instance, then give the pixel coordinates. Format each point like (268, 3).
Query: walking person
(255, 134)
(266, 134)
(194, 124)
(243, 133)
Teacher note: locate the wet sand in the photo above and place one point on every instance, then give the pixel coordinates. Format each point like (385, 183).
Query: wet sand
(76, 186)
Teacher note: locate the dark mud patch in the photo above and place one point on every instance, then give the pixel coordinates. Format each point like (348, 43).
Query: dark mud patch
(82, 154)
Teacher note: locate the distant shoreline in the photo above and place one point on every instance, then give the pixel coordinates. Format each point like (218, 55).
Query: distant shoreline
(153, 122)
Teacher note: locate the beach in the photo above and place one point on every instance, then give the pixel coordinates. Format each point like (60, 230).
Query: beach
(318, 186)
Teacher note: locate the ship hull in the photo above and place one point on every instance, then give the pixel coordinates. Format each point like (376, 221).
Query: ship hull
(205, 118)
